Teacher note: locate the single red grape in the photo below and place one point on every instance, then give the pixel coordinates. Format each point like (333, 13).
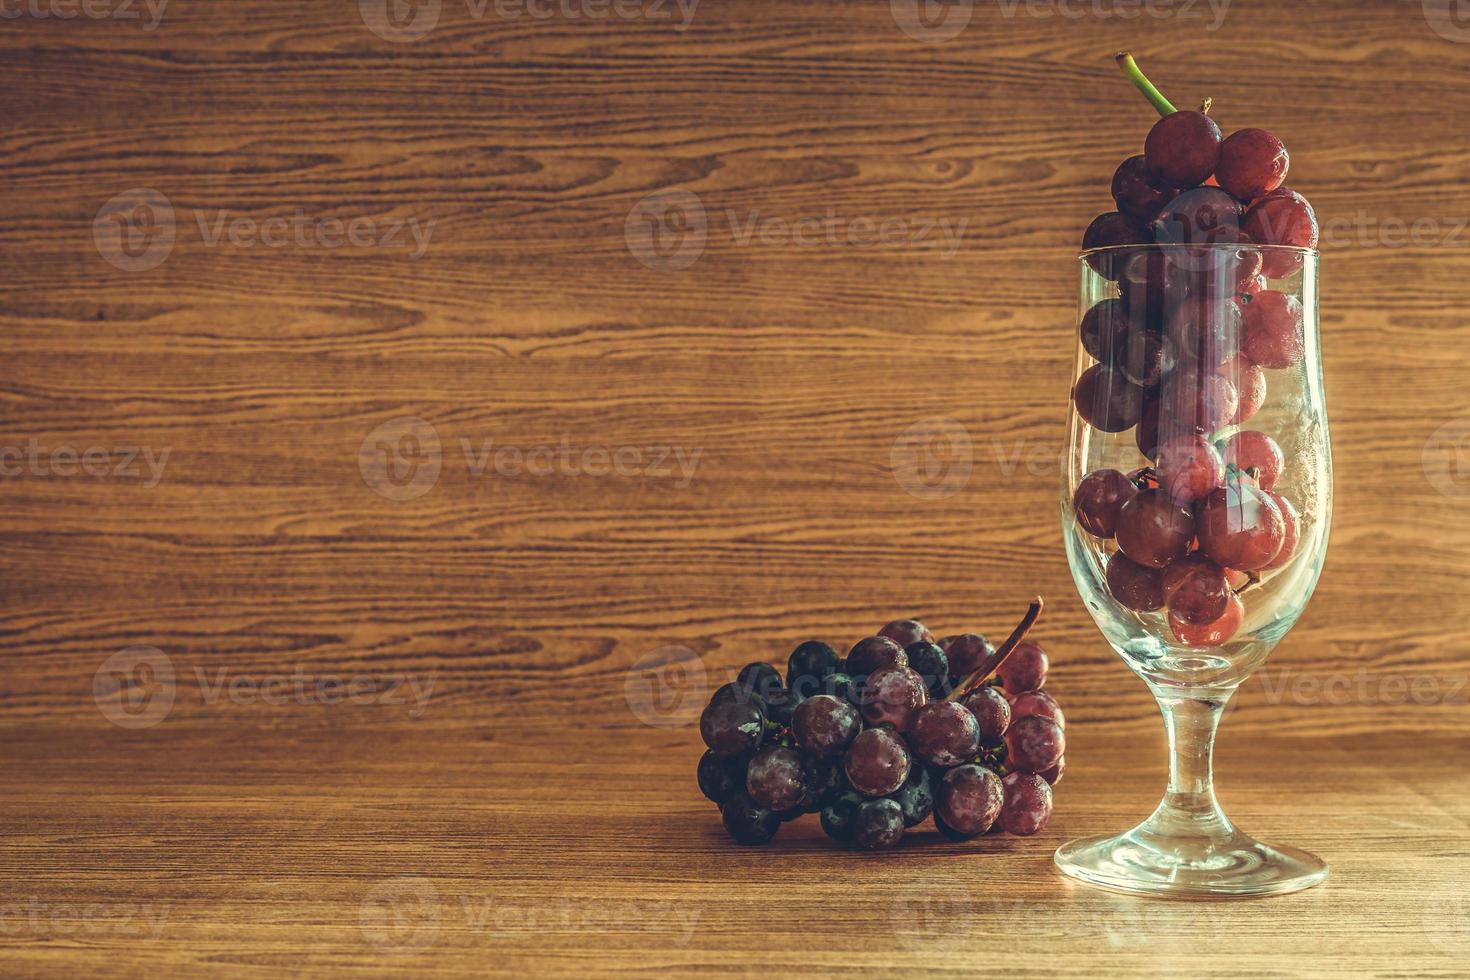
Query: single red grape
(969, 799)
(1154, 530)
(1281, 217)
(966, 653)
(1107, 400)
(1136, 586)
(1274, 330)
(1252, 162)
(944, 733)
(1183, 148)
(1025, 668)
(1211, 634)
(1138, 193)
(824, 726)
(1027, 806)
(1034, 743)
(892, 695)
(991, 710)
(1189, 467)
(1252, 450)
(1239, 526)
(1207, 329)
(1029, 703)
(1204, 400)
(1292, 535)
(1110, 229)
(1142, 358)
(1250, 386)
(877, 762)
(1099, 497)
(1195, 590)
(776, 778)
(1054, 774)
(906, 632)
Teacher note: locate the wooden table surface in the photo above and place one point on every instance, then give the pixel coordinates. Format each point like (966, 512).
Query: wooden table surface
(339, 855)
(209, 507)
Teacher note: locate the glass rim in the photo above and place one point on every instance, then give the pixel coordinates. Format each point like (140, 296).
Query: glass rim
(1087, 253)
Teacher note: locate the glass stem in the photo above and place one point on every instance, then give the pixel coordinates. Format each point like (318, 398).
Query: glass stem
(1189, 805)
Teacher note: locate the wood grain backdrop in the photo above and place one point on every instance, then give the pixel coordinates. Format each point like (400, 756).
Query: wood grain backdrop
(785, 360)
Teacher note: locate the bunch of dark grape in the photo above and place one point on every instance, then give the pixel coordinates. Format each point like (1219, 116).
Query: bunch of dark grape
(902, 729)
(1182, 352)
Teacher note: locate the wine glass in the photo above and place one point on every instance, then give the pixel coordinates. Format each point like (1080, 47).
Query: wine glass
(1196, 502)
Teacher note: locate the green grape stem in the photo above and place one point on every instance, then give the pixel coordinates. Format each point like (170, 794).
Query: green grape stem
(1141, 82)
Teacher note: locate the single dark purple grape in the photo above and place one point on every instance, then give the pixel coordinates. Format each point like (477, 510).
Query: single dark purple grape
(1025, 669)
(878, 824)
(732, 725)
(782, 705)
(1027, 805)
(1037, 703)
(1139, 193)
(891, 696)
(1106, 400)
(877, 762)
(775, 778)
(721, 778)
(968, 800)
(747, 822)
(1104, 330)
(1201, 216)
(1144, 358)
(825, 780)
(967, 653)
(906, 632)
(810, 660)
(929, 662)
(1054, 774)
(915, 797)
(837, 816)
(824, 725)
(1183, 148)
(874, 653)
(991, 710)
(944, 733)
(1099, 497)
(760, 679)
(1154, 530)
(1034, 744)
(1136, 586)
(1196, 590)
(1110, 229)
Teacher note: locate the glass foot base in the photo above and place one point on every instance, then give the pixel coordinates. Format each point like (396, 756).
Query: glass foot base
(1141, 862)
